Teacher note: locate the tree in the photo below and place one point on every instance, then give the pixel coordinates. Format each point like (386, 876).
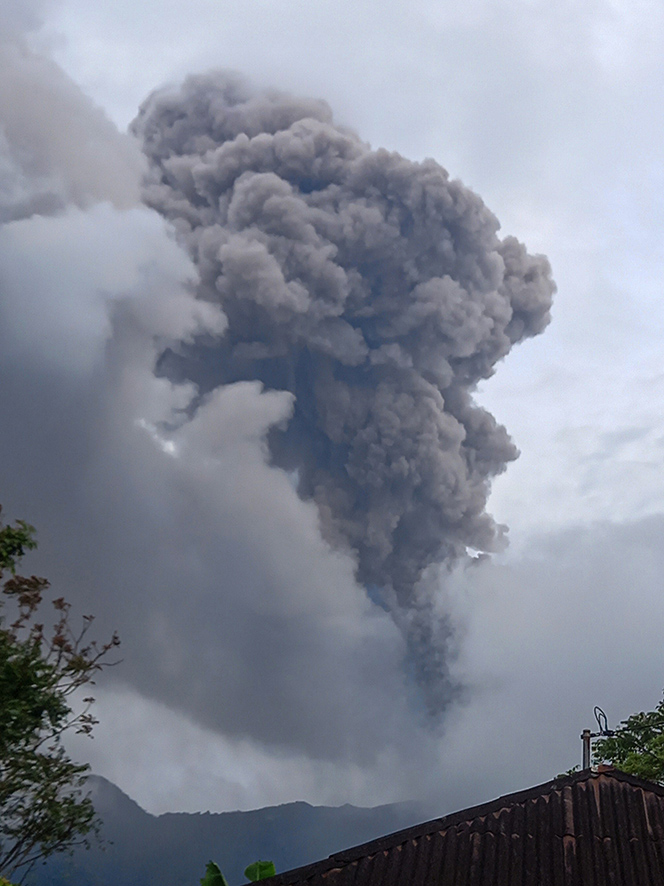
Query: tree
(636, 746)
(42, 806)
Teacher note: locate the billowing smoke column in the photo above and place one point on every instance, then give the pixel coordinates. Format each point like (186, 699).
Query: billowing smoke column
(373, 288)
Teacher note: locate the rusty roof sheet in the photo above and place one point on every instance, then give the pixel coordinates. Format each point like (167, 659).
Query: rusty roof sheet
(588, 829)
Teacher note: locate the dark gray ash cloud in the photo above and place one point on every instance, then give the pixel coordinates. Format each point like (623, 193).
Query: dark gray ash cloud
(377, 291)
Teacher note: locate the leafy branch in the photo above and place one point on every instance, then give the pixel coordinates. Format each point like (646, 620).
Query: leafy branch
(42, 807)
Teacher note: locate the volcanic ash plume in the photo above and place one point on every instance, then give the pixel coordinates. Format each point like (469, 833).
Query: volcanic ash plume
(374, 289)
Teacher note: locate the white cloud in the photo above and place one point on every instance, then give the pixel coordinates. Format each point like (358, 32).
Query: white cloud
(575, 622)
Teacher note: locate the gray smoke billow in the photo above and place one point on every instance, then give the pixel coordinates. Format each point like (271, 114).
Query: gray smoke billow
(378, 292)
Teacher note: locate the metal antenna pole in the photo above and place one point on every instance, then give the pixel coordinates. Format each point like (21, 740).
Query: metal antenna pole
(587, 735)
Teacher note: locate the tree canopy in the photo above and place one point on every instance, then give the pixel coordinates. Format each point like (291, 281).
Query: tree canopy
(42, 805)
(636, 746)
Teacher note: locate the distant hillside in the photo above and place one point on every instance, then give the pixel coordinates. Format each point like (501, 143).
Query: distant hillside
(172, 849)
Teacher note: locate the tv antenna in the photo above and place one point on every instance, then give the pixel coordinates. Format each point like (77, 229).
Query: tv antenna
(587, 735)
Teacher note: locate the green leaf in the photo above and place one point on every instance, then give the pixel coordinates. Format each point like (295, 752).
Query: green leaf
(213, 876)
(260, 870)
(14, 542)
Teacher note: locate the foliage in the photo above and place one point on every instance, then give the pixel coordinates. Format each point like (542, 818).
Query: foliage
(14, 542)
(636, 746)
(42, 807)
(260, 870)
(213, 876)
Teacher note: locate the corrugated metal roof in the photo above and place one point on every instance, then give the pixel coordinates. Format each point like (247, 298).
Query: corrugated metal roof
(588, 829)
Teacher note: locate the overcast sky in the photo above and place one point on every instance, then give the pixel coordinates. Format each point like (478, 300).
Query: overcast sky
(256, 668)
